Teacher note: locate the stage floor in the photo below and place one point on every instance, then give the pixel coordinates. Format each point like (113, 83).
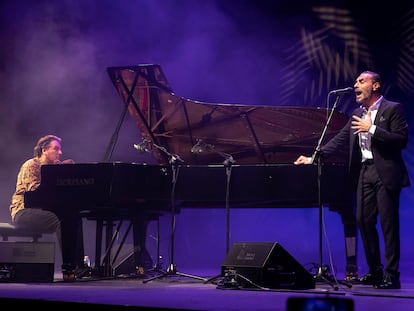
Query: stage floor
(174, 291)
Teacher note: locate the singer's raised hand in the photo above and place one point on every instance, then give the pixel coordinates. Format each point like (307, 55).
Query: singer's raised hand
(360, 125)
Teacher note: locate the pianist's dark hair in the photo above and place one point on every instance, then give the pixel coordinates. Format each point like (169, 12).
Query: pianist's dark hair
(43, 143)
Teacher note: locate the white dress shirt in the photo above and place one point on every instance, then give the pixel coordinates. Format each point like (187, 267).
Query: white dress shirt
(365, 137)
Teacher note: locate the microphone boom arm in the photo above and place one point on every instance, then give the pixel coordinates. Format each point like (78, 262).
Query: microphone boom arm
(317, 151)
(147, 146)
(173, 157)
(201, 146)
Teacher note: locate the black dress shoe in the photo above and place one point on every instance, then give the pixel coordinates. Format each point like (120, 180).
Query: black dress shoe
(371, 278)
(83, 272)
(389, 282)
(71, 275)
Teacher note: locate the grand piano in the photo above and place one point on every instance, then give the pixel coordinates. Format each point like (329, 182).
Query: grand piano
(209, 155)
(260, 144)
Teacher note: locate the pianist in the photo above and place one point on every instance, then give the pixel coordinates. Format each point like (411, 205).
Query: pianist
(68, 229)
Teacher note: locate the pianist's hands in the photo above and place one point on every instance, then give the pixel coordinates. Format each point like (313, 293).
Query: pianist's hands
(303, 160)
(67, 161)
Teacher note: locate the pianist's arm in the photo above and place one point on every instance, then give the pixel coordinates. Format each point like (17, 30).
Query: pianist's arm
(67, 161)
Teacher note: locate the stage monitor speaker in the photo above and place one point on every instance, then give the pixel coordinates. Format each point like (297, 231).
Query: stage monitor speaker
(25, 262)
(265, 264)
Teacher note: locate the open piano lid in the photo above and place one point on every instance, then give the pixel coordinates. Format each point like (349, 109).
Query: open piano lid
(250, 134)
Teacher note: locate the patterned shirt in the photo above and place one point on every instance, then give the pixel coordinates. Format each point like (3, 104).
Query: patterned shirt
(28, 179)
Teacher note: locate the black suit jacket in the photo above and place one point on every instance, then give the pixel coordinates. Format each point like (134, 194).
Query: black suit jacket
(387, 143)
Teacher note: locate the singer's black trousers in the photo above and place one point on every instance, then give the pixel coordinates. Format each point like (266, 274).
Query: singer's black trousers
(373, 200)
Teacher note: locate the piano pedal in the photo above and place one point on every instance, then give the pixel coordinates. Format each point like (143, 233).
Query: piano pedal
(69, 276)
(140, 271)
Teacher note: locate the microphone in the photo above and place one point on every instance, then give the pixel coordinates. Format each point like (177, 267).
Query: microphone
(175, 158)
(143, 146)
(228, 160)
(341, 91)
(201, 146)
(198, 147)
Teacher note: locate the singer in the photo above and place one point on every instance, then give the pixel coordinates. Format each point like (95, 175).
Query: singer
(376, 134)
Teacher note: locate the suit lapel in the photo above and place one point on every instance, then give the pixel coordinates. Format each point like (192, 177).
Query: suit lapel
(380, 111)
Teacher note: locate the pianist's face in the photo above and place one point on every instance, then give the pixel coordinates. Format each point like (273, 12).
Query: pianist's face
(51, 154)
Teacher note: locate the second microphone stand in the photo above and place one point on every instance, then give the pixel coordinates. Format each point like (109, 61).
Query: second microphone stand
(228, 164)
(172, 268)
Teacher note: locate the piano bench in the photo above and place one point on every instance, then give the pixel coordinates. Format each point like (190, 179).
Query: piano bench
(9, 230)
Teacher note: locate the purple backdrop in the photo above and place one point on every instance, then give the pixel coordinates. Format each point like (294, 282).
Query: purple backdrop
(53, 61)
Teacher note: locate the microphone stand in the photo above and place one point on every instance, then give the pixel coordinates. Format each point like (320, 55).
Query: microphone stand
(172, 268)
(321, 275)
(228, 164)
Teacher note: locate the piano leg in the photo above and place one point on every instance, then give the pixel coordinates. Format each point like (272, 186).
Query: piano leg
(72, 245)
(98, 247)
(157, 265)
(350, 234)
(142, 260)
(103, 266)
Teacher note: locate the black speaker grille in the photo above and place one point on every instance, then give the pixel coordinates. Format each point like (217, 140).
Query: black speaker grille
(265, 264)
